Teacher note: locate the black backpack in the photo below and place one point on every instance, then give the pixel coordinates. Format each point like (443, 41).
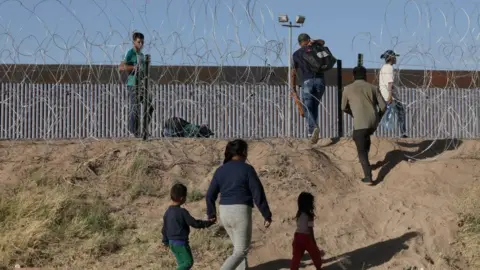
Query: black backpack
(319, 58)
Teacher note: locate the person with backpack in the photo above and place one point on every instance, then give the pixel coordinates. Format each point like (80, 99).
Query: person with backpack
(387, 88)
(312, 59)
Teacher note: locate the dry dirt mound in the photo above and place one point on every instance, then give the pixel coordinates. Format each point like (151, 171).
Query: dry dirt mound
(99, 204)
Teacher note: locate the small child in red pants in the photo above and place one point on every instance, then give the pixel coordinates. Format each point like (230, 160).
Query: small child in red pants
(304, 239)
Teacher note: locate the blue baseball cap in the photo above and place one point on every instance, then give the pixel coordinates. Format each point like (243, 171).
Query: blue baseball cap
(388, 54)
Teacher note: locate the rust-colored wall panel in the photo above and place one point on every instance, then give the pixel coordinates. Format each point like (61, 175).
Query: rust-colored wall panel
(103, 74)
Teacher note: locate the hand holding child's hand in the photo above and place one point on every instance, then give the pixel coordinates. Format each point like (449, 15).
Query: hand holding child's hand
(267, 223)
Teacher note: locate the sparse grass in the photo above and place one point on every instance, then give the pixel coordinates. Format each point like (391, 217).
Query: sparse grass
(145, 187)
(143, 181)
(138, 166)
(213, 239)
(75, 217)
(39, 223)
(278, 169)
(195, 195)
(37, 175)
(469, 244)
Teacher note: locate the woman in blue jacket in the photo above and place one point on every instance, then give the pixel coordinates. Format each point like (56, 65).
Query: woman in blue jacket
(239, 186)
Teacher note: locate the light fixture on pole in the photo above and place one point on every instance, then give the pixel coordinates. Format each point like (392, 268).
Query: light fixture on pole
(284, 20)
(300, 19)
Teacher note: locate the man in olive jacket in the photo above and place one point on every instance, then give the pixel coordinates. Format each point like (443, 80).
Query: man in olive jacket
(364, 102)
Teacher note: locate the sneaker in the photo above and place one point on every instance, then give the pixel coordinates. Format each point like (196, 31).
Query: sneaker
(314, 136)
(134, 135)
(404, 136)
(367, 180)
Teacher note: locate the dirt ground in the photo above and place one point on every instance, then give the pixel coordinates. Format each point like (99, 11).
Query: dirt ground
(410, 218)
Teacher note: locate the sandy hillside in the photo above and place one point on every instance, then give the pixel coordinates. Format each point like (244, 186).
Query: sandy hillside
(99, 204)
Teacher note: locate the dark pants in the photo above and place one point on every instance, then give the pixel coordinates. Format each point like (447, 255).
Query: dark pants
(183, 255)
(135, 101)
(401, 116)
(361, 137)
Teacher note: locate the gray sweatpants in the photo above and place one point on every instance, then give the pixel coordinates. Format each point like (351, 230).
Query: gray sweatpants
(237, 220)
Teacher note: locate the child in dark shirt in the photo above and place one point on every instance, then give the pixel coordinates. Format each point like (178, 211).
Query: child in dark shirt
(176, 227)
(304, 239)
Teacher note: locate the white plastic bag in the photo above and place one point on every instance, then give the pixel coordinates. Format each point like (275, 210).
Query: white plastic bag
(389, 119)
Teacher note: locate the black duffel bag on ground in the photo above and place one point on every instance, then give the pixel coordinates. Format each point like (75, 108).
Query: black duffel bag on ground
(179, 127)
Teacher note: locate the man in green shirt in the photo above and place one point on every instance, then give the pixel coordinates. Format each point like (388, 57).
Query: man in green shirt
(134, 63)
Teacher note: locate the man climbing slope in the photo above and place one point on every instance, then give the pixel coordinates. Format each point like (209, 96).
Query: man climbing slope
(365, 104)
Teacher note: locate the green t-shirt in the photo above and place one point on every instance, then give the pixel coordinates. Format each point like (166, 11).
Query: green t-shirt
(132, 57)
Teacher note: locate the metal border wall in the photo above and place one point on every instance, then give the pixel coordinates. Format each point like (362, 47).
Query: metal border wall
(65, 111)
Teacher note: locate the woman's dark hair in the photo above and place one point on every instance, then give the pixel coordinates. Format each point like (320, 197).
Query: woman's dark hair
(137, 35)
(235, 148)
(177, 192)
(306, 204)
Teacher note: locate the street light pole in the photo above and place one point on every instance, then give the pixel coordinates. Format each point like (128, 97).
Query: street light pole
(290, 25)
(287, 23)
(290, 45)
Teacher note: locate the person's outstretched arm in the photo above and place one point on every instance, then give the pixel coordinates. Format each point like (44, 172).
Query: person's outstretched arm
(293, 74)
(256, 188)
(211, 197)
(195, 223)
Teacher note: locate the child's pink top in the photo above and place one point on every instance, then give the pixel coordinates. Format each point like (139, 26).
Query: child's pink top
(304, 223)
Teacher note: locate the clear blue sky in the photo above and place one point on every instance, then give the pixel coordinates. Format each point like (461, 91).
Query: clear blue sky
(431, 34)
